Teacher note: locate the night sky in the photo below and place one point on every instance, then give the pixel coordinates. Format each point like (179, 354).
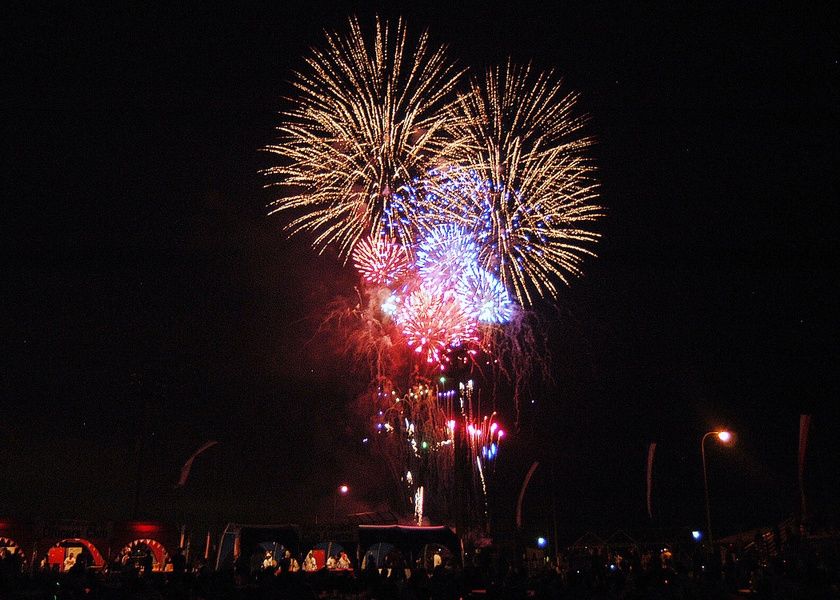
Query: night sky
(150, 304)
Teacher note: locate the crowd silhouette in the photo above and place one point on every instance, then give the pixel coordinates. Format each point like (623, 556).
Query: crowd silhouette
(795, 570)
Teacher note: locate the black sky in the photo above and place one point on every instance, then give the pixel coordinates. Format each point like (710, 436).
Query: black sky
(147, 294)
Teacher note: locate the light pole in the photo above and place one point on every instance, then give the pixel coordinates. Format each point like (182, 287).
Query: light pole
(341, 490)
(725, 437)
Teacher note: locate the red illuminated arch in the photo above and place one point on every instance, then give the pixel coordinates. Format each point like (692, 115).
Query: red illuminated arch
(159, 553)
(98, 561)
(6, 542)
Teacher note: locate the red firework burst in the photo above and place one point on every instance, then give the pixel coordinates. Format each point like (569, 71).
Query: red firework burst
(379, 261)
(433, 321)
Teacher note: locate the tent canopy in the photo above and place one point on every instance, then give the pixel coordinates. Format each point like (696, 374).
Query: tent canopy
(252, 538)
(409, 540)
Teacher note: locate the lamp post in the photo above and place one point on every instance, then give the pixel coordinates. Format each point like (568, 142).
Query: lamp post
(724, 437)
(341, 490)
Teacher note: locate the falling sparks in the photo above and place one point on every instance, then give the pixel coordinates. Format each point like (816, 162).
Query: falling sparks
(417, 433)
(418, 505)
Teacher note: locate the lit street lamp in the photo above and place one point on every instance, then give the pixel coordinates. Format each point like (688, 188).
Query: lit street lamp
(341, 490)
(724, 437)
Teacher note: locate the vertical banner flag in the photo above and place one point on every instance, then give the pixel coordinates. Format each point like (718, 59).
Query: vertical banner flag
(533, 468)
(804, 425)
(185, 470)
(651, 451)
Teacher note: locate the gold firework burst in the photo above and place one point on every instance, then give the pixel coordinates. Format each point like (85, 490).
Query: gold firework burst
(522, 182)
(368, 115)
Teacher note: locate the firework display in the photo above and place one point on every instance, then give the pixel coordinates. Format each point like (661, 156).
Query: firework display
(417, 436)
(445, 253)
(459, 207)
(380, 262)
(423, 432)
(435, 320)
(523, 183)
(485, 296)
(365, 118)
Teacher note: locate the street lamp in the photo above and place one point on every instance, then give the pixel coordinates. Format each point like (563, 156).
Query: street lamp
(724, 437)
(341, 490)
